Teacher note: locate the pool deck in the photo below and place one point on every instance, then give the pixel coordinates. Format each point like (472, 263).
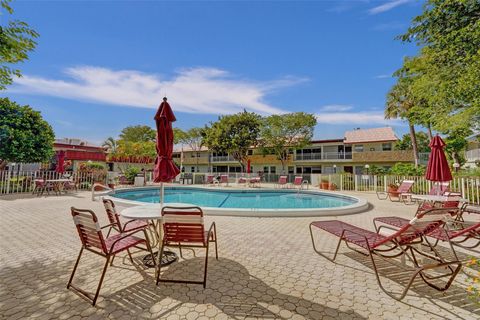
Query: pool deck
(267, 270)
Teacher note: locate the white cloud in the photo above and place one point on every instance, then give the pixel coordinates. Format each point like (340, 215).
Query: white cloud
(365, 117)
(195, 90)
(388, 6)
(383, 76)
(336, 107)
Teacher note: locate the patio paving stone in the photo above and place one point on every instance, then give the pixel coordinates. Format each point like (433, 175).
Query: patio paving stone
(267, 269)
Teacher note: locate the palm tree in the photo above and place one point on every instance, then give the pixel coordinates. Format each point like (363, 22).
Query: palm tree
(399, 102)
(111, 144)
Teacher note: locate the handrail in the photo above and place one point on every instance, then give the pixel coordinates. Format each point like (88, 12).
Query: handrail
(104, 192)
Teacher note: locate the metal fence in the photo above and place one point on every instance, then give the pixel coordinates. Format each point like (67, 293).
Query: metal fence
(469, 187)
(24, 181)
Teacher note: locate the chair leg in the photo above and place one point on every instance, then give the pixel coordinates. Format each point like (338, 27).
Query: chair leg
(74, 268)
(101, 281)
(206, 267)
(323, 255)
(160, 264)
(130, 256)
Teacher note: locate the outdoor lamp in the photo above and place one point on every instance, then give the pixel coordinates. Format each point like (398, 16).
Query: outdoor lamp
(366, 167)
(334, 168)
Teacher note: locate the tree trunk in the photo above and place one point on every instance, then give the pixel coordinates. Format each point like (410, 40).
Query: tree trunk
(3, 164)
(429, 131)
(414, 143)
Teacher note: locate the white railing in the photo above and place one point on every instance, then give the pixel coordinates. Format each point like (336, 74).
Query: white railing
(221, 158)
(323, 156)
(472, 155)
(469, 187)
(24, 181)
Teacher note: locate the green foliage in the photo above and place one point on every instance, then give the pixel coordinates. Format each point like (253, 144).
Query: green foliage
(234, 134)
(376, 170)
(178, 135)
(17, 39)
(446, 73)
(407, 169)
(136, 149)
(281, 133)
(111, 144)
(406, 142)
(130, 173)
(456, 142)
(138, 133)
(24, 135)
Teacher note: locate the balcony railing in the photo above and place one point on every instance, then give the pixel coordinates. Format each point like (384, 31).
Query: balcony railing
(323, 156)
(221, 158)
(472, 155)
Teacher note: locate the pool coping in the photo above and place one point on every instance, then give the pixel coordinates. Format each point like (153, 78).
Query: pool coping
(360, 206)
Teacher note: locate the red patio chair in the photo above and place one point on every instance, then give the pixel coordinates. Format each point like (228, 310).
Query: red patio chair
(254, 182)
(456, 232)
(401, 194)
(299, 182)
(224, 179)
(115, 222)
(41, 186)
(209, 179)
(281, 183)
(183, 227)
(399, 244)
(92, 239)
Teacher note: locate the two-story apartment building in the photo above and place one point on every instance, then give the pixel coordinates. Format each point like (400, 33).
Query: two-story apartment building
(351, 153)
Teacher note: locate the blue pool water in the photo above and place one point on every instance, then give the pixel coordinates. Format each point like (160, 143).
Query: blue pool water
(246, 199)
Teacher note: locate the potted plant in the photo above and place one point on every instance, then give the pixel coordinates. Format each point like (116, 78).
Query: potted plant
(332, 186)
(392, 188)
(324, 184)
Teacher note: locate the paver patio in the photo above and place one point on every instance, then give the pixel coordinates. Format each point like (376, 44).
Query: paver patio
(267, 269)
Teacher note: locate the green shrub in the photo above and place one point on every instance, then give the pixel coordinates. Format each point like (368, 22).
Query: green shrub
(130, 172)
(407, 169)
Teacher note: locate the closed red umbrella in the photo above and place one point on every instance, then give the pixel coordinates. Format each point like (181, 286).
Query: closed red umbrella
(438, 169)
(248, 166)
(60, 168)
(165, 169)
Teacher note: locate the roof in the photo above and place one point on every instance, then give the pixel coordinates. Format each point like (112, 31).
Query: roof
(178, 148)
(326, 141)
(370, 135)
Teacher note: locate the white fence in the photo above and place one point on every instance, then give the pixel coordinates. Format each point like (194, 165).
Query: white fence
(469, 187)
(24, 181)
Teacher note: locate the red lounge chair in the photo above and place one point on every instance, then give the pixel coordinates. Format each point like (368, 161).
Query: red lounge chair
(209, 179)
(299, 182)
(401, 194)
(92, 240)
(439, 188)
(242, 180)
(183, 227)
(116, 224)
(282, 182)
(401, 243)
(456, 233)
(254, 182)
(224, 179)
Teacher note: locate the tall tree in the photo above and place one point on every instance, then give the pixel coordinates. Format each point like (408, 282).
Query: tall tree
(17, 39)
(281, 133)
(194, 139)
(400, 102)
(138, 133)
(111, 144)
(423, 141)
(24, 135)
(234, 134)
(447, 67)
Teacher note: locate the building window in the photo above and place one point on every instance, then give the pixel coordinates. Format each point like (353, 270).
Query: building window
(358, 148)
(291, 170)
(386, 146)
(193, 169)
(250, 152)
(273, 169)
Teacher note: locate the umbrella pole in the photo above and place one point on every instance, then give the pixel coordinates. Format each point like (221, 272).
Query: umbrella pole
(162, 194)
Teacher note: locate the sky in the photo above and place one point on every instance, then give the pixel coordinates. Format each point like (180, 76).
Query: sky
(103, 65)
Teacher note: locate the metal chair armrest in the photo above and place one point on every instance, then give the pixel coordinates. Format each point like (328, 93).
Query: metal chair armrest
(121, 238)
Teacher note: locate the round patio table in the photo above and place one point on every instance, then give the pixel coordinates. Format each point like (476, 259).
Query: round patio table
(435, 198)
(152, 213)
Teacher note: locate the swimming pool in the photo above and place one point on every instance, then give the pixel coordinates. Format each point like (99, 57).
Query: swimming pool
(247, 202)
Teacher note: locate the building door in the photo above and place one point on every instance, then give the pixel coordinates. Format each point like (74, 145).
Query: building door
(348, 169)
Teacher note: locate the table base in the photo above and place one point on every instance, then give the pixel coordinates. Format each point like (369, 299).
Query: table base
(168, 258)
